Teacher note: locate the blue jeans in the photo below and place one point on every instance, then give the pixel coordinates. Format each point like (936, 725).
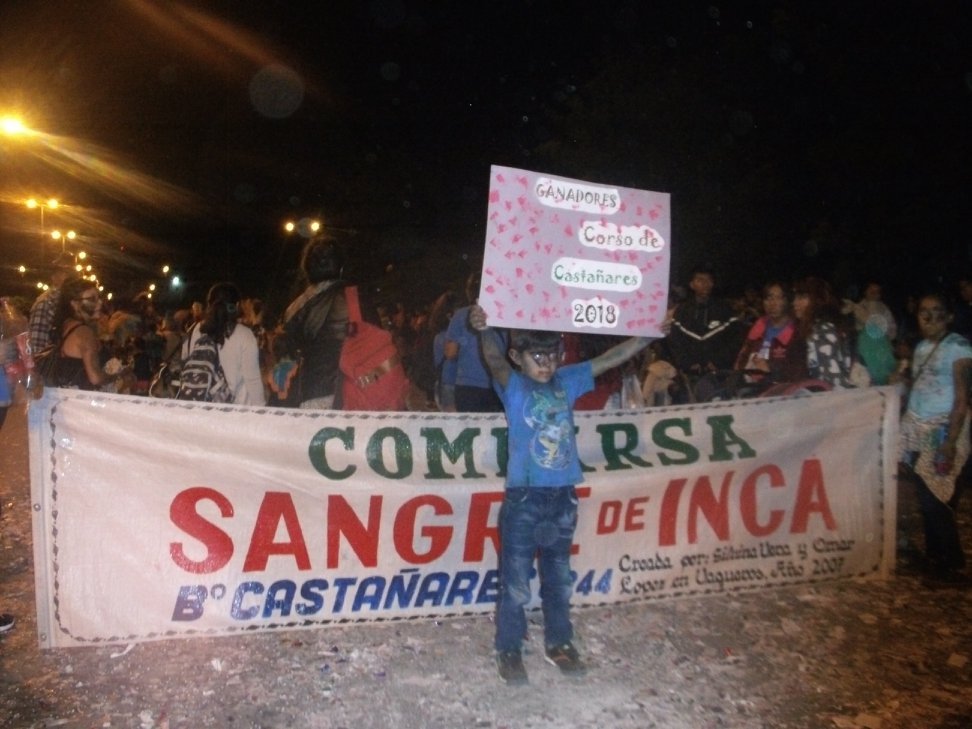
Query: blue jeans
(535, 521)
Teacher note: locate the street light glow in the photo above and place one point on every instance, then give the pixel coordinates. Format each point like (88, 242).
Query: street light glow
(63, 237)
(51, 203)
(12, 126)
(306, 227)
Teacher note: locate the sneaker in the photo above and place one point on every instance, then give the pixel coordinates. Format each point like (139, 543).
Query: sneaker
(6, 622)
(566, 658)
(511, 668)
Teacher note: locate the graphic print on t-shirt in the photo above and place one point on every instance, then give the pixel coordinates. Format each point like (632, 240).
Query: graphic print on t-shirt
(545, 411)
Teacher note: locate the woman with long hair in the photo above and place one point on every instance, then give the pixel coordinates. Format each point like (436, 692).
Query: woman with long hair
(935, 433)
(772, 346)
(817, 312)
(77, 350)
(239, 353)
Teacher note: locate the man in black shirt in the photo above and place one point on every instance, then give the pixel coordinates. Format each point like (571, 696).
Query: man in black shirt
(705, 333)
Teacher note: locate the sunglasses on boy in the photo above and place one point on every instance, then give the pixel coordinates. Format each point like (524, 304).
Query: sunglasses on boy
(546, 357)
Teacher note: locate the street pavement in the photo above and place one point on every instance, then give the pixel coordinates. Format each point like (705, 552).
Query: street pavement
(850, 654)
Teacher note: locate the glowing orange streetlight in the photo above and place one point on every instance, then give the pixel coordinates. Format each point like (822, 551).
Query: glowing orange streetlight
(306, 227)
(63, 237)
(51, 204)
(12, 126)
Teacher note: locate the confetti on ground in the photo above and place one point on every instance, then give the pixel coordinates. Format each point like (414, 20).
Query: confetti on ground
(847, 655)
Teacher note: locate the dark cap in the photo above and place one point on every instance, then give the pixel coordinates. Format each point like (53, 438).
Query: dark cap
(322, 260)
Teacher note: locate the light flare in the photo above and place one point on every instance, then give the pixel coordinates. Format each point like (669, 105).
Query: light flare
(97, 167)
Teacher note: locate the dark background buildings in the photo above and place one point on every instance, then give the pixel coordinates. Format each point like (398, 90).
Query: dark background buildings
(794, 137)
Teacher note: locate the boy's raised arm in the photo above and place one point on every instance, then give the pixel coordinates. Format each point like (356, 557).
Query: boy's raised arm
(492, 344)
(619, 354)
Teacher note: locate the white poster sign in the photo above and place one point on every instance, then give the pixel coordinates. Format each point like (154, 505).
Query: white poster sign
(573, 256)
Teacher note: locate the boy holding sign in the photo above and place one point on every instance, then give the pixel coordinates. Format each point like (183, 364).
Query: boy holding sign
(539, 511)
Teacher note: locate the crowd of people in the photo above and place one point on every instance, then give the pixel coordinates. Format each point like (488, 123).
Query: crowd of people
(786, 337)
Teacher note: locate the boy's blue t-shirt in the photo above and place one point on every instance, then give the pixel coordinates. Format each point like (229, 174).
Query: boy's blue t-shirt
(540, 417)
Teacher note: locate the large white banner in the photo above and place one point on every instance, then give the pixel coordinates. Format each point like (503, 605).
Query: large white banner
(161, 519)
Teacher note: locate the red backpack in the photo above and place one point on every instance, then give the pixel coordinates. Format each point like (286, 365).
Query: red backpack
(373, 377)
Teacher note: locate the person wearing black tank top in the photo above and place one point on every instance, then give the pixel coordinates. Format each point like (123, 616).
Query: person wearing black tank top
(78, 352)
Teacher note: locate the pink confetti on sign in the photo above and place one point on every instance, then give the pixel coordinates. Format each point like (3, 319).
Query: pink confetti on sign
(577, 244)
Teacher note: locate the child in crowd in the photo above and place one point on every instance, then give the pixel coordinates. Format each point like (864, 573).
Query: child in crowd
(539, 511)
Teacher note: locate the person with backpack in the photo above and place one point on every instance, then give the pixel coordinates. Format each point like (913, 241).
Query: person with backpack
(220, 357)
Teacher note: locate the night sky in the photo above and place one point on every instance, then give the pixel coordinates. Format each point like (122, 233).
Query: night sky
(794, 137)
